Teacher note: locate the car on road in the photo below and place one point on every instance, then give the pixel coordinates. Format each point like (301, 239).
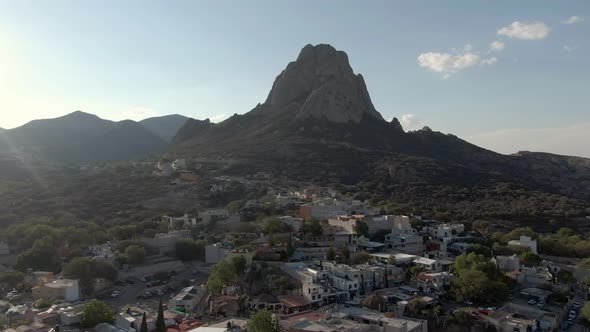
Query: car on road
(115, 293)
(532, 302)
(576, 305)
(160, 292)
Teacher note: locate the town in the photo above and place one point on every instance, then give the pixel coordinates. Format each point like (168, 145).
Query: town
(320, 260)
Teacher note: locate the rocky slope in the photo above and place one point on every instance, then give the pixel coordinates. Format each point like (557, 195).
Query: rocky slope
(318, 123)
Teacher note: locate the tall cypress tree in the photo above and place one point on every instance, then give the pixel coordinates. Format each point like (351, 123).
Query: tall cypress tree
(144, 327)
(160, 324)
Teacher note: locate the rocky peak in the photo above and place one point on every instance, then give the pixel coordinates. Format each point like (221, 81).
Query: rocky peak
(322, 85)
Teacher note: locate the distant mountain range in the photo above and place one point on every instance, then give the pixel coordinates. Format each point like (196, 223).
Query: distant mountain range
(83, 137)
(318, 123)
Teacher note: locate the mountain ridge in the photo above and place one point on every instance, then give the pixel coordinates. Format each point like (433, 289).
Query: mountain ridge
(81, 137)
(318, 123)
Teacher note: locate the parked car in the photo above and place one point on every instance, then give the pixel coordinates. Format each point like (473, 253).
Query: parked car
(115, 293)
(576, 305)
(532, 302)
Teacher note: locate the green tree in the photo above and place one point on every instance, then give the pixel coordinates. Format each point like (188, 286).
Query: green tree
(234, 206)
(97, 312)
(290, 248)
(345, 254)
(360, 257)
(87, 270)
(331, 254)
(530, 259)
(41, 304)
(565, 277)
(274, 225)
(361, 228)
(11, 278)
(264, 321)
(586, 314)
(144, 327)
(471, 284)
(238, 264)
(214, 284)
(311, 226)
(135, 254)
(160, 323)
(473, 261)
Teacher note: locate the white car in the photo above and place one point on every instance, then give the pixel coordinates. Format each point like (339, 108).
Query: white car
(576, 305)
(115, 293)
(532, 302)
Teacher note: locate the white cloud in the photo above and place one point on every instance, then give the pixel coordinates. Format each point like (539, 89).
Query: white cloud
(137, 114)
(525, 30)
(570, 140)
(448, 64)
(569, 48)
(496, 46)
(573, 20)
(218, 118)
(411, 122)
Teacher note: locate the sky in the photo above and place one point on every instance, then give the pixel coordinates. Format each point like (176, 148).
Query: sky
(506, 75)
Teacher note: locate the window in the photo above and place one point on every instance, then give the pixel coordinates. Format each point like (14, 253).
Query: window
(313, 297)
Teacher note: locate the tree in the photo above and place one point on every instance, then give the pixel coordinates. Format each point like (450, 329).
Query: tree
(188, 249)
(360, 257)
(274, 225)
(234, 206)
(96, 312)
(160, 323)
(290, 249)
(361, 228)
(135, 254)
(87, 270)
(374, 302)
(238, 264)
(565, 277)
(144, 327)
(471, 284)
(530, 259)
(11, 278)
(331, 254)
(345, 254)
(311, 226)
(264, 321)
(473, 261)
(586, 313)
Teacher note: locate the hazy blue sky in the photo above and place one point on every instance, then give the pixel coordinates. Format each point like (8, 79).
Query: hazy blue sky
(425, 62)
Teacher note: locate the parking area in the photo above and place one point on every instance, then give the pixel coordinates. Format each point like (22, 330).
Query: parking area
(149, 290)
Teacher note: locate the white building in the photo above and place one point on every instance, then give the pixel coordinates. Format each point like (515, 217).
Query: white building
(216, 252)
(64, 289)
(190, 299)
(166, 242)
(428, 264)
(179, 164)
(507, 263)
(446, 230)
(525, 241)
